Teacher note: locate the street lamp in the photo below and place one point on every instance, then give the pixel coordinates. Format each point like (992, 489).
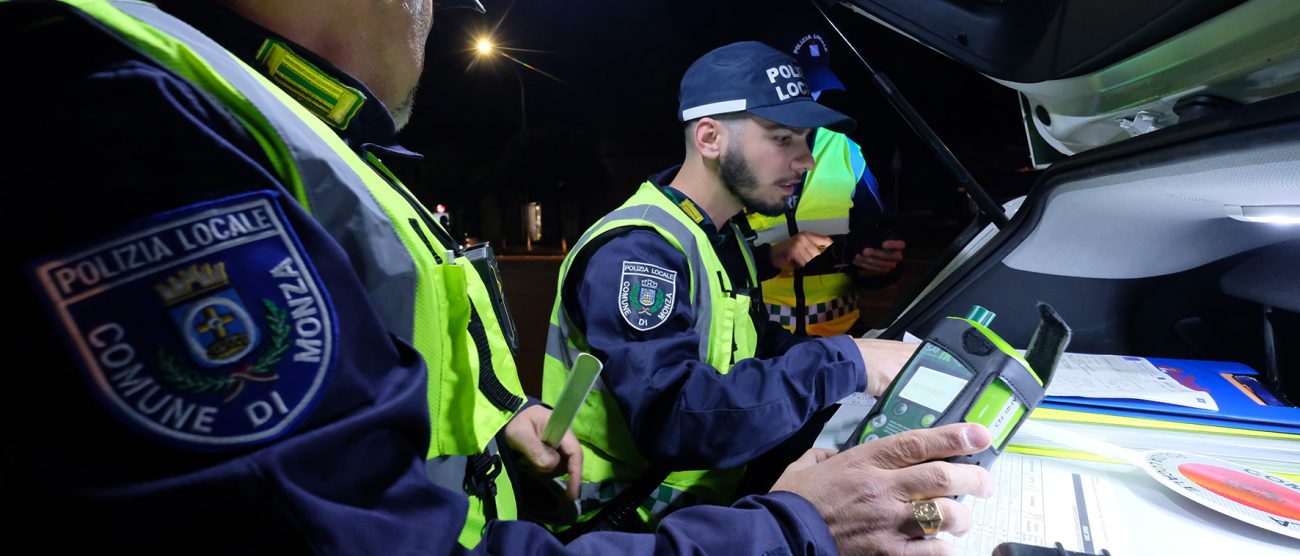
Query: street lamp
(531, 214)
(485, 47)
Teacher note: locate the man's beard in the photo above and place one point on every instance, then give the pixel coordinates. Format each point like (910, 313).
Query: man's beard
(402, 114)
(740, 180)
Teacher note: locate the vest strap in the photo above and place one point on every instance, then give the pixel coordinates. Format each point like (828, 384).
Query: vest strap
(481, 471)
(488, 383)
(475, 475)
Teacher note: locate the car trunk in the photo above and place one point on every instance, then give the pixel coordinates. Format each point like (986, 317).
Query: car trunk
(1027, 41)
(1132, 244)
(1098, 72)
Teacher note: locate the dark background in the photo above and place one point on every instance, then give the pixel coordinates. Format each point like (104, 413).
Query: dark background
(606, 119)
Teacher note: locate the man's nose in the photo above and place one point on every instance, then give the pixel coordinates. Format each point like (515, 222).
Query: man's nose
(803, 161)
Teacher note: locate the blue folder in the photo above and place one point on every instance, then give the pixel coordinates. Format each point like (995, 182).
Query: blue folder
(1236, 408)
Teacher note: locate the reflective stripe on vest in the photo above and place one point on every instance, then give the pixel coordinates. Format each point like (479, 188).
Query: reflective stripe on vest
(827, 194)
(817, 312)
(726, 334)
(823, 208)
(421, 295)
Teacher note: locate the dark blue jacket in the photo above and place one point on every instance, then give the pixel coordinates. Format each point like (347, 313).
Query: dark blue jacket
(118, 167)
(679, 409)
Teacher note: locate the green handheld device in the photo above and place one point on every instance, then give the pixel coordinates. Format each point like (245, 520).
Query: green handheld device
(965, 373)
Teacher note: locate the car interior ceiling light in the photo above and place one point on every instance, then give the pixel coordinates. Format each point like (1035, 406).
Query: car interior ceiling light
(1272, 214)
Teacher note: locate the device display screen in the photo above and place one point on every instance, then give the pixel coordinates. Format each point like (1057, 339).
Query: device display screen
(929, 383)
(932, 389)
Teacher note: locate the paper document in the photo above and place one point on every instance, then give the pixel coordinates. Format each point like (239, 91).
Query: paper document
(838, 430)
(1275, 454)
(1040, 503)
(1120, 376)
(1105, 506)
(1244, 493)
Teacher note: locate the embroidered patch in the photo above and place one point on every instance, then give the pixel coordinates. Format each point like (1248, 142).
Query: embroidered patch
(646, 294)
(206, 327)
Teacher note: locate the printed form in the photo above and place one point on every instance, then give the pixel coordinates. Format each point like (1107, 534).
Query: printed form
(1039, 503)
(1122, 376)
(1091, 506)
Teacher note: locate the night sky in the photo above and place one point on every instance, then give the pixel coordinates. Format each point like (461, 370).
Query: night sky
(607, 119)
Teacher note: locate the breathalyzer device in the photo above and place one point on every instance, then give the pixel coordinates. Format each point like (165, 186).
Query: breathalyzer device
(964, 372)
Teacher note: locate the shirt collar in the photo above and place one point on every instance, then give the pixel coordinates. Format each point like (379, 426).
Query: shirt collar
(365, 127)
(692, 209)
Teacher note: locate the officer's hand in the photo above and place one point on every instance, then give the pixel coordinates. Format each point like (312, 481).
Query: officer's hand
(524, 434)
(883, 358)
(798, 250)
(880, 261)
(865, 493)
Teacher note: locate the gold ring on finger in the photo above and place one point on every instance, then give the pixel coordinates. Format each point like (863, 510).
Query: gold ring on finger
(927, 516)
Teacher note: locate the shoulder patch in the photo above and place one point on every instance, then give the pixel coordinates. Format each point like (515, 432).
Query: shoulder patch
(646, 294)
(206, 327)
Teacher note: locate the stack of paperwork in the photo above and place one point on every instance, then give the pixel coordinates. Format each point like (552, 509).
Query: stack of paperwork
(1205, 407)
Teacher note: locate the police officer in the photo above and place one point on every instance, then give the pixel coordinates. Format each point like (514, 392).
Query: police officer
(663, 289)
(229, 296)
(235, 343)
(822, 247)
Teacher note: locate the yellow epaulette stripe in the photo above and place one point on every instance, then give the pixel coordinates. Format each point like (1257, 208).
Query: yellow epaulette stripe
(689, 208)
(326, 97)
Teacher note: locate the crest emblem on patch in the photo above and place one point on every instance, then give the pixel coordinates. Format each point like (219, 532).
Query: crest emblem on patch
(205, 326)
(646, 294)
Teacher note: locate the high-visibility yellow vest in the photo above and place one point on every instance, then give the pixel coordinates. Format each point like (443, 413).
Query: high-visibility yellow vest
(829, 302)
(425, 292)
(611, 460)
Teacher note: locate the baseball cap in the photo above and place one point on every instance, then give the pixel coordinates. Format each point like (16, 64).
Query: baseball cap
(813, 54)
(444, 5)
(755, 78)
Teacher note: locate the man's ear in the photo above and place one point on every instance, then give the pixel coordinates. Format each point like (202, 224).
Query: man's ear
(710, 138)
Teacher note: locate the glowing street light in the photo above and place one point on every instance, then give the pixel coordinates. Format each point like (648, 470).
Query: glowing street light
(532, 213)
(484, 48)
